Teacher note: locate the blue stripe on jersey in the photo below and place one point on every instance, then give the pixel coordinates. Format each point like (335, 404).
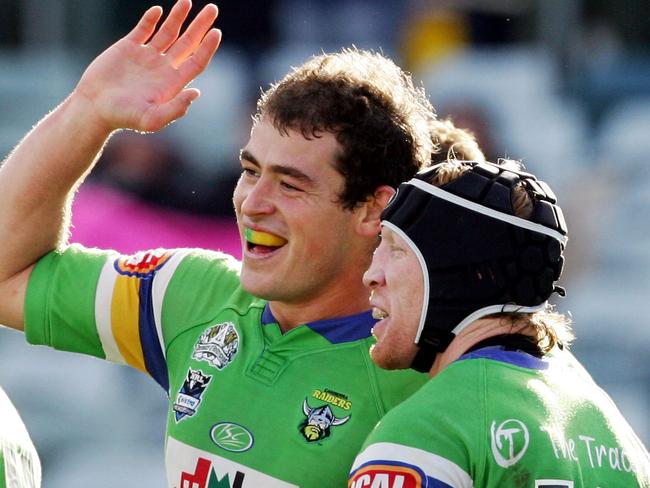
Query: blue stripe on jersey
(434, 483)
(153, 355)
(338, 330)
(517, 358)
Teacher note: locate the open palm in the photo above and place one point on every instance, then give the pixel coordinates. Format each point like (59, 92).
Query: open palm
(140, 81)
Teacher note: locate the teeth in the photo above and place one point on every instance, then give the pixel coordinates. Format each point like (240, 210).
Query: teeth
(264, 238)
(379, 314)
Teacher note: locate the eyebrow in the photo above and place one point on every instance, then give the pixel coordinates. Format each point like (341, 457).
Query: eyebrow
(278, 168)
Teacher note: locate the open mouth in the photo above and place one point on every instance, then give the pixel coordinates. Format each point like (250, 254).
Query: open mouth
(259, 242)
(379, 314)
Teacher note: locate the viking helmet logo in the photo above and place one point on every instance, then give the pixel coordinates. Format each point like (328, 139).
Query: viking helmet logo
(319, 422)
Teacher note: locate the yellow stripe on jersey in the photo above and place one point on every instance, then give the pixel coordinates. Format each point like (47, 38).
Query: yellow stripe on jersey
(103, 301)
(128, 309)
(125, 308)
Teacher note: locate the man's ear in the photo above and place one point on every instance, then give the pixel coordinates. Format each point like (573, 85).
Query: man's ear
(369, 221)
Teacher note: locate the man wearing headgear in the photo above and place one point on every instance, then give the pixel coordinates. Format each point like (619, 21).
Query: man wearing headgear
(470, 254)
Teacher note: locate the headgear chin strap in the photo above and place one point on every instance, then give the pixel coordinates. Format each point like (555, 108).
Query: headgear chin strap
(477, 257)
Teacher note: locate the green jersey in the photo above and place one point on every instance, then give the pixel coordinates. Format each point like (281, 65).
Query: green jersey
(19, 463)
(499, 418)
(249, 406)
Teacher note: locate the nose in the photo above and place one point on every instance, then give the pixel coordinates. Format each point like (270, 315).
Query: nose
(374, 275)
(255, 198)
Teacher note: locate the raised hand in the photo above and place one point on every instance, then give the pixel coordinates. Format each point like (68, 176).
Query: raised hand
(140, 81)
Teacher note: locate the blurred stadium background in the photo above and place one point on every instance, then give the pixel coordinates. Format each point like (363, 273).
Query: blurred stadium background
(563, 85)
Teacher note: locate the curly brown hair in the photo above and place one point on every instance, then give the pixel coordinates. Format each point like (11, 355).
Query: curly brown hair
(380, 119)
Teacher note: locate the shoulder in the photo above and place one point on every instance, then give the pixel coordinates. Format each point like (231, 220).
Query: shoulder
(404, 465)
(203, 262)
(198, 279)
(182, 283)
(191, 265)
(142, 264)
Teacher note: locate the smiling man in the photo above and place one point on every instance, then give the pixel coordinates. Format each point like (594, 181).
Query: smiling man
(265, 362)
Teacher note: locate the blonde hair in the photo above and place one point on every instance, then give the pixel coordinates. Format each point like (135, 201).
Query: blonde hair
(453, 143)
(551, 328)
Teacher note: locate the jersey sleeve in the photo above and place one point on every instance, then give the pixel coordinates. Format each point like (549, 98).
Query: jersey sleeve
(107, 305)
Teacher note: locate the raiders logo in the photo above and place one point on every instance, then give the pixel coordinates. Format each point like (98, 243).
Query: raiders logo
(319, 422)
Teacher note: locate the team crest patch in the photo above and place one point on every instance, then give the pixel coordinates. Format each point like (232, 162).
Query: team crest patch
(319, 421)
(218, 345)
(142, 264)
(387, 475)
(189, 396)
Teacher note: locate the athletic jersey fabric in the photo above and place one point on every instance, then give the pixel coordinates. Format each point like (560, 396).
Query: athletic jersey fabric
(19, 463)
(248, 405)
(498, 418)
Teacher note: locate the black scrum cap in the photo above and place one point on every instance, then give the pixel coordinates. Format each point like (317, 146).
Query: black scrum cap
(477, 257)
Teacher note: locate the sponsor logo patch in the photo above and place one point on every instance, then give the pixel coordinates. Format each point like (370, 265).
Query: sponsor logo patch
(387, 475)
(143, 264)
(319, 422)
(188, 398)
(218, 345)
(189, 467)
(205, 477)
(509, 441)
(232, 437)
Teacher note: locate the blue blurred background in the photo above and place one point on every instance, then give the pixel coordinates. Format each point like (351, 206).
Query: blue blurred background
(563, 85)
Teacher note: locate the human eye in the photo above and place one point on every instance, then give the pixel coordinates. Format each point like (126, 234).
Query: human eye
(397, 249)
(249, 171)
(288, 186)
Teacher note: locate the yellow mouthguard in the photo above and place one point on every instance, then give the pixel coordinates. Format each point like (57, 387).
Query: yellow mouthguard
(263, 238)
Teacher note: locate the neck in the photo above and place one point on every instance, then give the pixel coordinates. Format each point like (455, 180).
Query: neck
(338, 303)
(476, 332)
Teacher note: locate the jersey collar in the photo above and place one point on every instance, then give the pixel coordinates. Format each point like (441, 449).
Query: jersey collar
(517, 358)
(338, 330)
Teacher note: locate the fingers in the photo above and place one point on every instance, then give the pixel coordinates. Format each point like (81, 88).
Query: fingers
(193, 35)
(169, 30)
(161, 115)
(194, 65)
(146, 26)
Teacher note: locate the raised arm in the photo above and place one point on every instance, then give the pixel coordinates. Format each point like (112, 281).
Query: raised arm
(138, 83)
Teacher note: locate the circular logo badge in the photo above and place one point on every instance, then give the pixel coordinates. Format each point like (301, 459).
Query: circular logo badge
(509, 441)
(231, 437)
